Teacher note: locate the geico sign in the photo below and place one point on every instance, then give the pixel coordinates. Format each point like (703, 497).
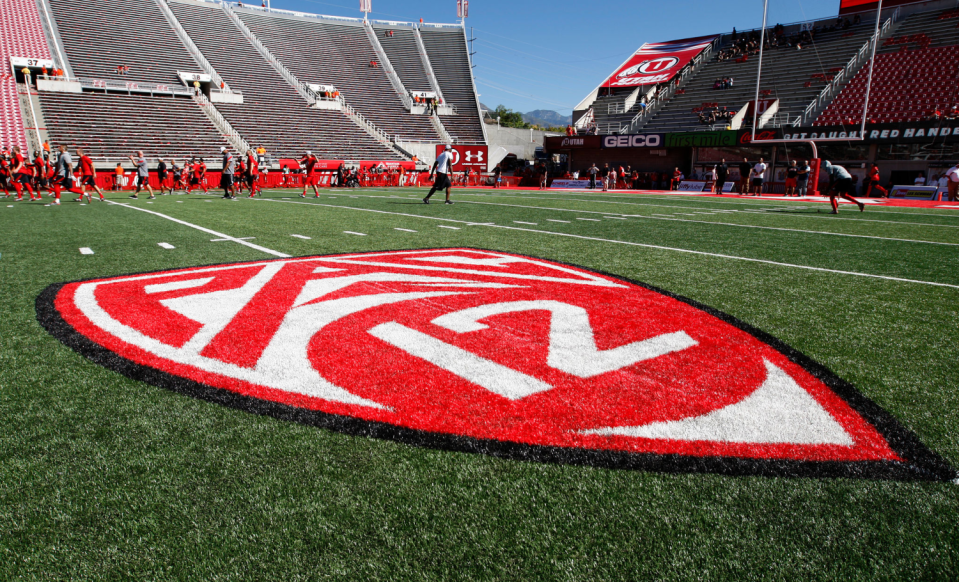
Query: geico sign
(488, 352)
(651, 140)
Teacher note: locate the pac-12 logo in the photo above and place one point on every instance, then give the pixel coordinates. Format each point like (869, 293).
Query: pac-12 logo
(651, 67)
(488, 352)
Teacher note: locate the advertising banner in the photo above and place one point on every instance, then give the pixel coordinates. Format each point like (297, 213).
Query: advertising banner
(657, 62)
(575, 142)
(915, 192)
(475, 157)
(648, 140)
(570, 184)
(701, 139)
(691, 186)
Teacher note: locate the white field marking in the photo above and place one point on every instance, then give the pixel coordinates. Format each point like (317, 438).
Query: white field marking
(614, 217)
(404, 230)
(179, 202)
(713, 222)
(167, 246)
(351, 232)
(231, 239)
(10, 206)
(494, 377)
(589, 219)
(300, 236)
(842, 208)
(86, 251)
(528, 223)
(948, 207)
(649, 246)
(176, 285)
(554, 220)
(206, 230)
(449, 227)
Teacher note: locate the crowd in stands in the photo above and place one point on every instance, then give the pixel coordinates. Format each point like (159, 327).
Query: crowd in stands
(747, 44)
(716, 115)
(724, 83)
(938, 114)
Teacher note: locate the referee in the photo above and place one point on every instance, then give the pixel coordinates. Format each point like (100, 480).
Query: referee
(442, 169)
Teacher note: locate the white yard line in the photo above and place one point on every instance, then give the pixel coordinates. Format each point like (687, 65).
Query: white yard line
(86, 251)
(355, 233)
(586, 219)
(206, 230)
(230, 239)
(643, 245)
(527, 223)
(614, 217)
(167, 246)
(404, 230)
(449, 227)
(300, 236)
(554, 220)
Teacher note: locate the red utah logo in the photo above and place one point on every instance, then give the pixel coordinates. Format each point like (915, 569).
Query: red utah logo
(488, 352)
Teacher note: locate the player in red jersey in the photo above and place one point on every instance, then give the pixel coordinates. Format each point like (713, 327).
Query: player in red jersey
(252, 173)
(310, 163)
(6, 178)
(63, 176)
(199, 175)
(88, 176)
(187, 174)
(23, 174)
(41, 173)
(240, 175)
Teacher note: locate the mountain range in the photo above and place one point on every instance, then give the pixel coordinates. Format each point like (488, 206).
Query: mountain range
(541, 117)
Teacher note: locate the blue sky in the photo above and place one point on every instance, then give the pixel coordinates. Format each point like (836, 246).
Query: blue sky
(539, 54)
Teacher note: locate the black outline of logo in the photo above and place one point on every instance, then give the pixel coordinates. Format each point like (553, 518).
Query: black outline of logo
(922, 464)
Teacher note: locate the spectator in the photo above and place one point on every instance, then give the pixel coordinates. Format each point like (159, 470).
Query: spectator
(745, 168)
(118, 177)
(605, 175)
(677, 179)
(758, 175)
(592, 171)
(792, 179)
(953, 188)
(920, 180)
(722, 172)
(802, 178)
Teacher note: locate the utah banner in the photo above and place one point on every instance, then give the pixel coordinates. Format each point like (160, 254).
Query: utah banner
(657, 62)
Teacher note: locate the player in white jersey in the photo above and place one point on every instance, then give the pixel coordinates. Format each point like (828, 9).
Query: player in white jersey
(442, 169)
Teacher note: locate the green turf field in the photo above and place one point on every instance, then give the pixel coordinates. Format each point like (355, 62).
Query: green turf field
(104, 477)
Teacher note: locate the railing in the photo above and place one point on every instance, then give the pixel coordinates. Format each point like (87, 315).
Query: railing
(191, 46)
(53, 37)
(222, 124)
(441, 129)
(388, 68)
(129, 87)
(849, 71)
(427, 66)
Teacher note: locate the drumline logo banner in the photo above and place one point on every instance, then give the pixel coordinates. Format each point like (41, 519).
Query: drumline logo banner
(657, 62)
(488, 352)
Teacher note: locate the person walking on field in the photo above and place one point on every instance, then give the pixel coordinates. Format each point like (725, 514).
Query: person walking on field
(792, 178)
(63, 180)
(497, 176)
(722, 172)
(873, 181)
(143, 175)
(953, 186)
(840, 185)
(758, 174)
(442, 169)
(88, 176)
(745, 170)
(226, 175)
(310, 166)
(252, 173)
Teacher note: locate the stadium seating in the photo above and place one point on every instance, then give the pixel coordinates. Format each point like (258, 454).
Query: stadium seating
(405, 56)
(28, 42)
(273, 114)
(115, 125)
(787, 73)
(339, 54)
(449, 58)
(914, 75)
(100, 35)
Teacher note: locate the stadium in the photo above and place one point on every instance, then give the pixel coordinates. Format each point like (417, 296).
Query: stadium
(283, 299)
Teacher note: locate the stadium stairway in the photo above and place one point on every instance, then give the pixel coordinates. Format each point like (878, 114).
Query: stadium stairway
(273, 114)
(115, 125)
(449, 58)
(916, 72)
(609, 109)
(404, 55)
(786, 71)
(339, 54)
(23, 37)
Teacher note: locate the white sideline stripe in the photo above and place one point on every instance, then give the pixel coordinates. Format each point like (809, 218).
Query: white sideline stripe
(711, 222)
(230, 239)
(206, 230)
(167, 246)
(586, 219)
(86, 251)
(554, 220)
(614, 217)
(494, 377)
(454, 227)
(300, 236)
(351, 232)
(404, 230)
(643, 245)
(529, 223)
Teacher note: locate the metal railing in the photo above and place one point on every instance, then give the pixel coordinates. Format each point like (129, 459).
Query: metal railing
(428, 66)
(191, 46)
(388, 68)
(232, 135)
(53, 38)
(825, 97)
(129, 87)
(441, 129)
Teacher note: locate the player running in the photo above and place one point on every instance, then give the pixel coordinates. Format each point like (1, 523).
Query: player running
(442, 168)
(198, 178)
(42, 171)
(252, 174)
(143, 174)
(840, 184)
(63, 179)
(23, 175)
(311, 165)
(6, 178)
(88, 176)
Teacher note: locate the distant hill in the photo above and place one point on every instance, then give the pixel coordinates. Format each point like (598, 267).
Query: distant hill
(541, 117)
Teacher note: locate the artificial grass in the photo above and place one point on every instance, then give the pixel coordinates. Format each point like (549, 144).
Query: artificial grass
(104, 477)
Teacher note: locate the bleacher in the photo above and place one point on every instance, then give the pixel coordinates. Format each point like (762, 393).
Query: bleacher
(100, 35)
(339, 54)
(404, 55)
(449, 59)
(29, 42)
(273, 114)
(117, 125)
(609, 108)
(795, 77)
(915, 74)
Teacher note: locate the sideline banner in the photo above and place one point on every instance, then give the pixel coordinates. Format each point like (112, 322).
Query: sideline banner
(570, 184)
(647, 140)
(657, 62)
(915, 192)
(475, 157)
(691, 186)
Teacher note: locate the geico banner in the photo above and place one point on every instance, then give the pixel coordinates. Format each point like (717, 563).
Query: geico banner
(647, 140)
(657, 62)
(475, 157)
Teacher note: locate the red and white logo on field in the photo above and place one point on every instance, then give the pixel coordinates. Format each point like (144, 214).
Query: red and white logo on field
(477, 344)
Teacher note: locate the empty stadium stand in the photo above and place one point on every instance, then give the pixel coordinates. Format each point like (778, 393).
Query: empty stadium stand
(273, 114)
(795, 77)
(28, 42)
(339, 53)
(916, 72)
(449, 58)
(100, 35)
(114, 125)
(404, 55)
